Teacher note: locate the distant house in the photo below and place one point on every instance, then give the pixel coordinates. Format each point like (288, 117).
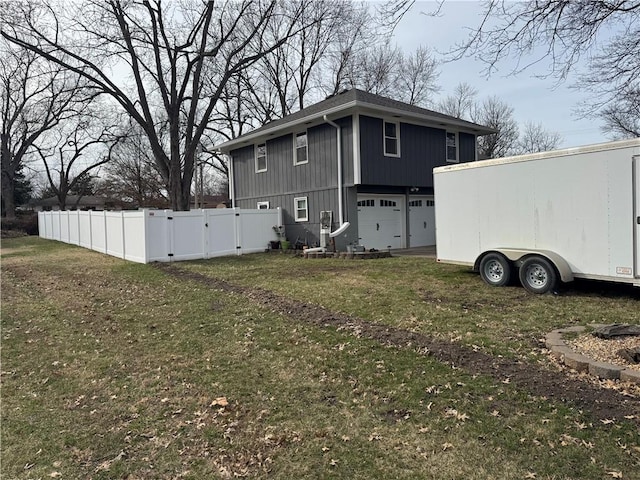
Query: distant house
(73, 202)
(209, 201)
(355, 156)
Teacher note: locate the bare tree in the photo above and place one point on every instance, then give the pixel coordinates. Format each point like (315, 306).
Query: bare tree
(131, 175)
(73, 152)
(494, 113)
(34, 98)
(535, 138)
(386, 70)
(622, 117)
(179, 56)
(343, 47)
(418, 77)
(352, 37)
(312, 63)
(561, 33)
(461, 103)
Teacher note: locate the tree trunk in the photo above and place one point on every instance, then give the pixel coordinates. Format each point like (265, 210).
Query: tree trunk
(8, 172)
(8, 196)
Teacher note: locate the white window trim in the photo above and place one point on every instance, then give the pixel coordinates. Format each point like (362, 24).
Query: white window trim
(262, 205)
(257, 145)
(446, 147)
(295, 148)
(384, 138)
(295, 209)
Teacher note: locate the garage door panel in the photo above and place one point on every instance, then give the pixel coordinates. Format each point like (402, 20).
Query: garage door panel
(422, 231)
(380, 221)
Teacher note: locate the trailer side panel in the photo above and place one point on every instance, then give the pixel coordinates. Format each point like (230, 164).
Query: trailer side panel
(579, 205)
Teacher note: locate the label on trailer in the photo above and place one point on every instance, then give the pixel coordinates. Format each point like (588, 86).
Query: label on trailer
(624, 271)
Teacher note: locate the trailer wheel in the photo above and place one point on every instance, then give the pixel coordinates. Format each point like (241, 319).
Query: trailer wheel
(495, 270)
(538, 275)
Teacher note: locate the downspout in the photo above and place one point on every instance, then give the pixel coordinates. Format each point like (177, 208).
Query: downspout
(343, 226)
(232, 186)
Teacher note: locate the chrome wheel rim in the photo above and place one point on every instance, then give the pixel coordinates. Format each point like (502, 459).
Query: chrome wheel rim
(537, 276)
(494, 271)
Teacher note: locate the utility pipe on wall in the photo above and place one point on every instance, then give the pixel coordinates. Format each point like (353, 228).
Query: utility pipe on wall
(343, 226)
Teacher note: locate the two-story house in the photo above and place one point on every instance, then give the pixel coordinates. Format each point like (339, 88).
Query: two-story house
(364, 158)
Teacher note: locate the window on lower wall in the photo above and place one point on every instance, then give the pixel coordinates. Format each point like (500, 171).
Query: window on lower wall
(452, 147)
(263, 205)
(300, 149)
(301, 209)
(261, 157)
(391, 139)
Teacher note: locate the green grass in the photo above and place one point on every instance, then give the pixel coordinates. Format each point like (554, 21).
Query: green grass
(421, 295)
(112, 370)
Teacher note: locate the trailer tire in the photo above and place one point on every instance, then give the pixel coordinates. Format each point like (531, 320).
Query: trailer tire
(495, 270)
(538, 275)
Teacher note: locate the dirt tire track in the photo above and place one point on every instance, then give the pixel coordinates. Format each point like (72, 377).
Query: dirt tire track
(535, 379)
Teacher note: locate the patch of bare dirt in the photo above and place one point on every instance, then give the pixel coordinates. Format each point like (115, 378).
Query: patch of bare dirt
(535, 379)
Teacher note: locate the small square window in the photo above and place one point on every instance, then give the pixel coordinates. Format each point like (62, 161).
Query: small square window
(452, 147)
(391, 139)
(261, 157)
(300, 149)
(263, 205)
(301, 209)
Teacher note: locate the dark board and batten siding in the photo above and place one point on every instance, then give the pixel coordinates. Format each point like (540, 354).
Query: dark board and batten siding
(282, 176)
(283, 181)
(467, 147)
(421, 149)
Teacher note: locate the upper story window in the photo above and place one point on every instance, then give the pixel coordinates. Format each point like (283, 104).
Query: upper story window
(452, 147)
(300, 149)
(261, 157)
(391, 139)
(301, 208)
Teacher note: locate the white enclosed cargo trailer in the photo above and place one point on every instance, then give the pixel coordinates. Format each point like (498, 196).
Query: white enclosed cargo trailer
(544, 217)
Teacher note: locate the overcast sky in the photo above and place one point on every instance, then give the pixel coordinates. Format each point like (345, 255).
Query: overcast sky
(533, 99)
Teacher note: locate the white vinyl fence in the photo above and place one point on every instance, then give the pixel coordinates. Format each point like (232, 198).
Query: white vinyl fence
(163, 235)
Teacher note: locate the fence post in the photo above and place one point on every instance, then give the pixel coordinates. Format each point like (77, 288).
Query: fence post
(205, 233)
(144, 236)
(106, 237)
(59, 217)
(90, 231)
(124, 240)
(68, 226)
(237, 223)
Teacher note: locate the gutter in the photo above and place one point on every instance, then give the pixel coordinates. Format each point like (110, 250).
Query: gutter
(343, 226)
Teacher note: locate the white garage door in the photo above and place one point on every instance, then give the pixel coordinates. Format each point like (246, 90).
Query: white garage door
(380, 221)
(422, 222)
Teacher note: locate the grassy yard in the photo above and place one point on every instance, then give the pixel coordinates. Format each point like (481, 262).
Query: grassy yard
(118, 370)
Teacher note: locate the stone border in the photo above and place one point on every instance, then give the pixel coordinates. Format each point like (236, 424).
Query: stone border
(582, 363)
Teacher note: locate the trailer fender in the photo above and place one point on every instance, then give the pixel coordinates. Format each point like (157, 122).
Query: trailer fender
(517, 256)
